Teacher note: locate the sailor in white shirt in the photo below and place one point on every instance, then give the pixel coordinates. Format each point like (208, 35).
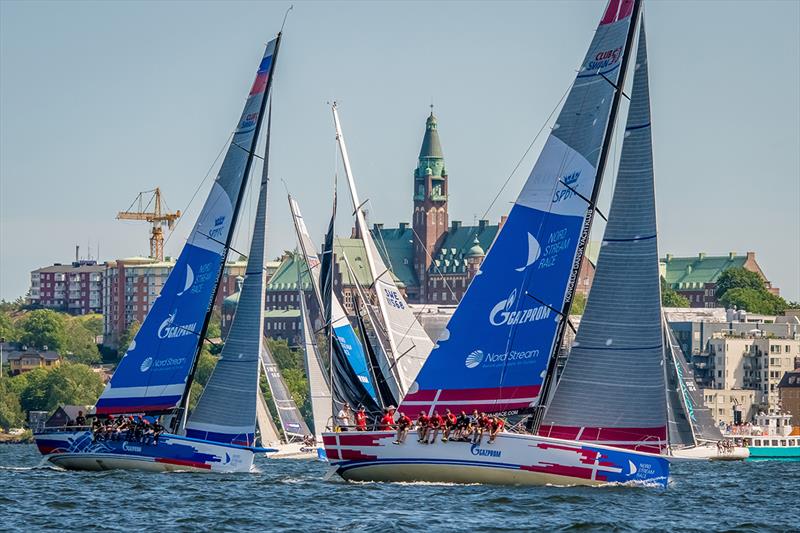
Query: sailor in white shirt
(344, 417)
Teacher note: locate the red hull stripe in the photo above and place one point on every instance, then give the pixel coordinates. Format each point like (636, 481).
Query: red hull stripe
(640, 439)
(181, 462)
(492, 399)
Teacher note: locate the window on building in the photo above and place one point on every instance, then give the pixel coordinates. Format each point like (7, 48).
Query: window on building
(435, 295)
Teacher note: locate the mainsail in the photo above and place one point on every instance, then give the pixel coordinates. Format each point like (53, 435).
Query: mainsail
(156, 371)
(612, 388)
(352, 382)
(494, 353)
(408, 342)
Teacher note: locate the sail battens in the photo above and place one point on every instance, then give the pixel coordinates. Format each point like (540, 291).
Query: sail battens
(614, 378)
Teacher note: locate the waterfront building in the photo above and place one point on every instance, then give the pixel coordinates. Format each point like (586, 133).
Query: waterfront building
(18, 358)
(75, 288)
(789, 394)
(696, 277)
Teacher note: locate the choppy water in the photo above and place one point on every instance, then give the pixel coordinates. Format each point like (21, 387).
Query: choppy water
(291, 496)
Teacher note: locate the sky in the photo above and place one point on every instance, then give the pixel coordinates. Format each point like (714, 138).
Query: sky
(101, 100)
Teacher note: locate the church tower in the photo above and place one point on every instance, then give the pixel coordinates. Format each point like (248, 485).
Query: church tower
(430, 203)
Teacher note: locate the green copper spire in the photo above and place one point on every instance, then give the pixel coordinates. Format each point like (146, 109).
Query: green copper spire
(431, 158)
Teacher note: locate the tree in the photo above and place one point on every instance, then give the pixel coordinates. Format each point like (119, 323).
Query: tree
(80, 345)
(214, 330)
(738, 278)
(754, 301)
(43, 327)
(205, 367)
(284, 356)
(8, 330)
(72, 384)
(127, 337)
(670, 298)
(578, 304)
(92, 322)
(11, 415)
(30, 387)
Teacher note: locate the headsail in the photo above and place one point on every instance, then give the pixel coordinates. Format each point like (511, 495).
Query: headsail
(352, 382)
(154, 374)
(291, 420)
(408, 342)
(266, 426)
(494, 353)
(612, 388)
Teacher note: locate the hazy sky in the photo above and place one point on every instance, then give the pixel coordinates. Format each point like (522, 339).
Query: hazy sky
(101, 100)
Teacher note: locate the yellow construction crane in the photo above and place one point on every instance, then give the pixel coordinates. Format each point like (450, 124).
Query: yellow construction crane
(157, 217)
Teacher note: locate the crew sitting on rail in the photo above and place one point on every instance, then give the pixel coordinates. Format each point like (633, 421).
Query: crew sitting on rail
(435, 424)
(495, 426)
(387, 420)
(422, 426)
(403, 425)
(462, 426)
(450, 424)
(480, 426)
(361, 419)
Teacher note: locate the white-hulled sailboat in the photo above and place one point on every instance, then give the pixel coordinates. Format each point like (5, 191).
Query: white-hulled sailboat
(155, 375)
(497, 354)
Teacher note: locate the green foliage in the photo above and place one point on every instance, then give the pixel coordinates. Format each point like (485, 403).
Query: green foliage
(194, 395)
(285, 357)
(670, 298)
(93, 323)
(44, 327)
(11, 415)
(79, 344)
(738, 278)
(8, 330)
(127, 337)
(742, 289)
(578, 304)
(44, 389)
(205, 366)
(214, 330)
(754, 301)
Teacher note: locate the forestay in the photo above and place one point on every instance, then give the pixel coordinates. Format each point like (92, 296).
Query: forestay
(152, 376)
(612, 389)
(494, 353)
(408, 342)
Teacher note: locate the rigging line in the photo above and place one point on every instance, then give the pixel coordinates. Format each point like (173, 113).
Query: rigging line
(197, 190)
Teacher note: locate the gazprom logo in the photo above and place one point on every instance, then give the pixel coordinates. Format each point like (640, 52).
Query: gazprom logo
(168, 331)
(146, 364)
(474, 359)
(502, 313)
(483, 452)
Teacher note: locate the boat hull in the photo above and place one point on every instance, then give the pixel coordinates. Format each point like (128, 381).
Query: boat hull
(297, 450)
(512, 459)
(75, 450)
(709, 453)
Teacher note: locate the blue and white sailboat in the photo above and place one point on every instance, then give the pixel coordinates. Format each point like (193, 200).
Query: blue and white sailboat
(497, 354)
(155, 375)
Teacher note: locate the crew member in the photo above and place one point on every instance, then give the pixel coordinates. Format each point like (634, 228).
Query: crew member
(450, 423)
(462, 426)
(80, 420)
(387, 421)
(479, 428)
(435, 424)
(343, 417)
(422, 426)
(495, 426)
(403, 424)
(361, 419)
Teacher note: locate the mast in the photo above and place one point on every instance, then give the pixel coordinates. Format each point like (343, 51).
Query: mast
(584, 237)
(248, 165)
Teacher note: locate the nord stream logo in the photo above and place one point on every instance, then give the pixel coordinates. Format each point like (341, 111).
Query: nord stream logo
(502, 313)
(474, 359)
(168, 331)
(474, 450)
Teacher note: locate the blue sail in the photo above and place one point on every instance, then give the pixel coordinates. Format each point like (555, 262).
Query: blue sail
(152, 375)
(494, 353)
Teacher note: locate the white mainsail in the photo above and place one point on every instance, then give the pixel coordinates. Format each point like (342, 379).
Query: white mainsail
(408, 342)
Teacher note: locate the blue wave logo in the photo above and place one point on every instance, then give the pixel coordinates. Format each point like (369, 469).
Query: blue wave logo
(474, 359)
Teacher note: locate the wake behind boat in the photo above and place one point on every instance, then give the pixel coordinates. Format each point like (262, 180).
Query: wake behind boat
(155, 375)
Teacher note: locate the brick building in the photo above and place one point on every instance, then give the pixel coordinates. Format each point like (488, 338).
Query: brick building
(75, 288)
(789, 392)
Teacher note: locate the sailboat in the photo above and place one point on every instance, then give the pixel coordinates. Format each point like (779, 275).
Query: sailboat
(497, 354)
(407, 344)
(155, 375)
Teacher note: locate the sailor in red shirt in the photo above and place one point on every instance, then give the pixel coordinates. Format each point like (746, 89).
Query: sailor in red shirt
(481, 426)
(422, 426)
(495, 426)
(450, 422)
(361, 419)
(403, 425)
(387, 421)
(435, 425)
